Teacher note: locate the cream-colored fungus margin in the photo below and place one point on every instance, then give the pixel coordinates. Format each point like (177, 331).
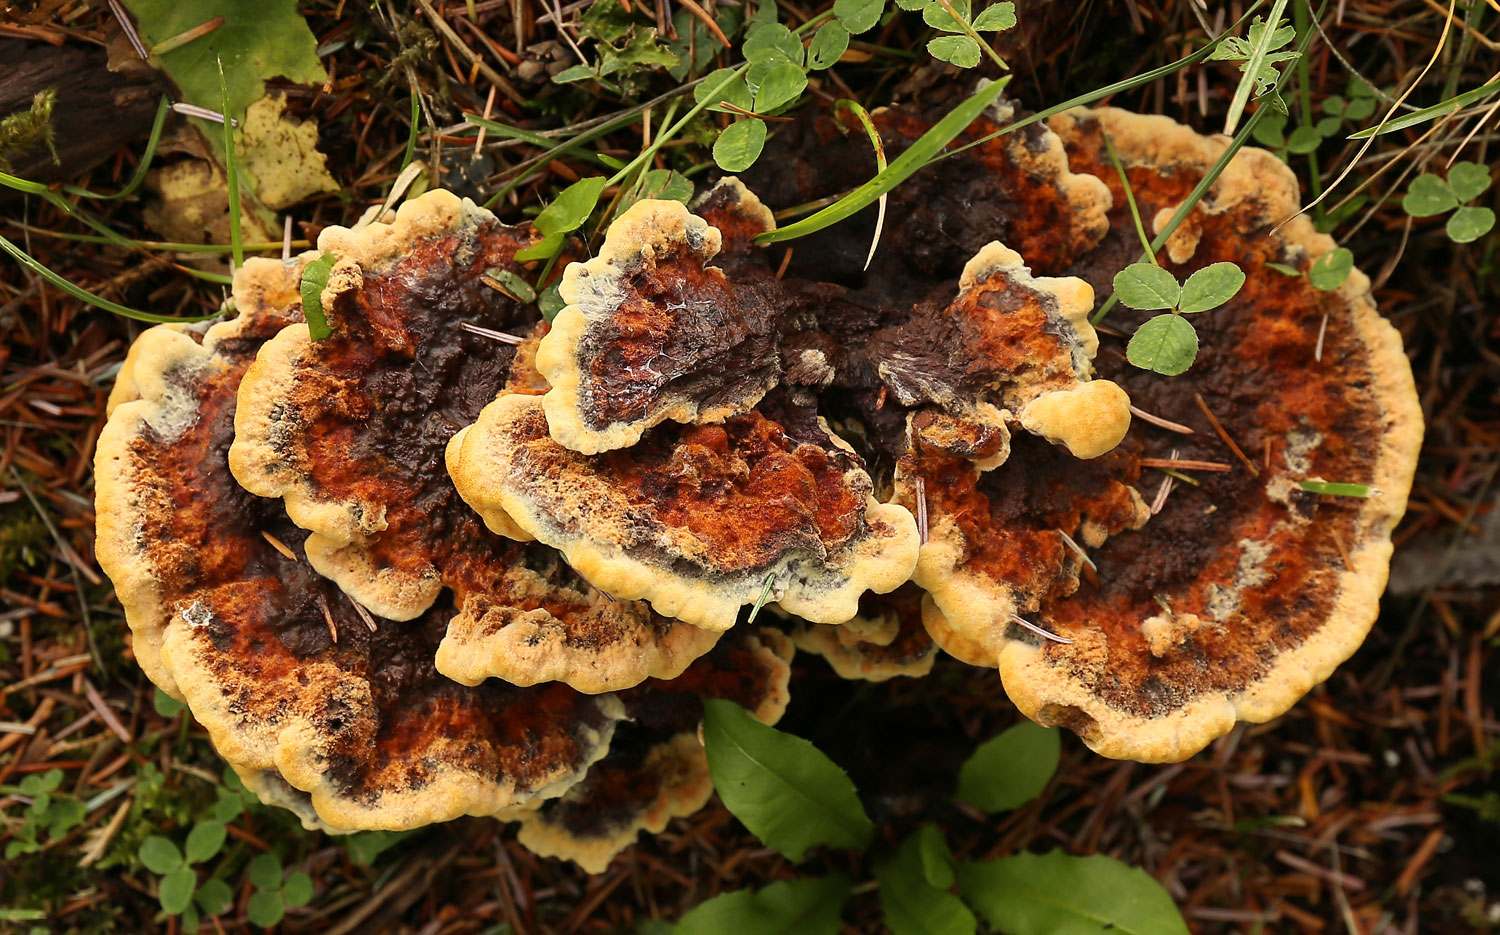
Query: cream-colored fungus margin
(147, 397)
(852, 649)
(686, 785)
(646, 232)
(1047, 693)
(602, 533)
(267, 466)
(745, 203)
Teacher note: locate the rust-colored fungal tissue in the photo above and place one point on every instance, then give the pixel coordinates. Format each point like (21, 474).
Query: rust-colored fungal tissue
(453, 559)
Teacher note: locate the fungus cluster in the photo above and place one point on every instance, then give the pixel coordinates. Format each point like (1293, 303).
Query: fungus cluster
(449, 559)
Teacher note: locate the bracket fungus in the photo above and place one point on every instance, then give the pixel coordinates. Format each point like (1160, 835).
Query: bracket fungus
(886, 639)
(351, 431)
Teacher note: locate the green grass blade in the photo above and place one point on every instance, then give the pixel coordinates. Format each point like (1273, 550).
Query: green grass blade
(904, 165)
(231, 174)
(1427, 114)
(78, 292)
(1337, 489)
(140, 170)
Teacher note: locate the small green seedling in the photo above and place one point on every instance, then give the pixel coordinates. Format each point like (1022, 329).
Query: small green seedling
(1326, 273)
(1168, 344)
(1430, 194)
(49, 817)
(179, 889)
(961, 43)
(1258, 57)
(274, 895)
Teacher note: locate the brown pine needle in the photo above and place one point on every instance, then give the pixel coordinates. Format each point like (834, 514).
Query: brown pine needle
(1018, 619)
(333, 629)
(708, 21)
(922, 511)
(1214, 421)
(501, 336)
(363, 614)
(278, 545)
(1159, 422)
(1185, 464)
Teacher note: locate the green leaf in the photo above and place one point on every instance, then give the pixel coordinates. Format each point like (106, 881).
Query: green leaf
(1210, 287)
(564, 215)
(37, 783)
(937, 858)
(1469, 223)
(858, 16)
(1011, 769)
(190, 919)
(1329, 271)
(1146, 286)
(829, 44)
(204, 841)
(314, 279)
(740, 144)
(165, 704)
(912, 905)
(1283, 269)
(664, 184)
(64, 816)
(1259, 60)
(780, 86)
(514, 284)
(997, 17)
(1468, 180)
(771, 43)
(1304, 140)
(783, 788)
(912, 6)
(40, 803)
(214, 896)
(266, 908)
(1166, 344)
(1327, 126)
(915, 156)
(736, 93)
(1270, 131)
(955, 50)
(1429, 113)
(176, 891)
(574, 73)
(1360, 108)
(265, 872)
(1428, 195)
(1056, 894)
(259, 39)
(809, 906)
(936, 16)
(298, 889)
(159, 855)
(228, 807)
(1334, 105)
(365, 846)
(1337, 489)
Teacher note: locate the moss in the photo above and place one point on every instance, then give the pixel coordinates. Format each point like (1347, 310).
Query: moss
(25, 130)
(23, 539)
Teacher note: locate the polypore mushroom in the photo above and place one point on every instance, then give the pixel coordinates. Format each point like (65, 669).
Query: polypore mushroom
(1228, 599)
(656, 769)
(298, 690)
(884, 640)
(351, 431)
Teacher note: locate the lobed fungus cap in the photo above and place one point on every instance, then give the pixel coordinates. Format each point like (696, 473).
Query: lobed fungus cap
(885, 640)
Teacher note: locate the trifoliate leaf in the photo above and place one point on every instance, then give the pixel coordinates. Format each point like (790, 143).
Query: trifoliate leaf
(265, 872)
(781, 85)
(1146, 286)
(1032, 893)
(1270, 131)
(1011, 769)
(912, 905)
(159, 855)
(1328, 126)
(1166, 344)
(781, 787)
(829, 44)
(1468, 180)
(298, 889)
(1329, 271)
(1334, 105)
(265, 908)
(1210, 287)
(204, 841)
(740, 144)
(1469, 223)
(937, 16)
(1428, 195)
(1304, 140)
(955, 50)
(809, 906)
(858, 16)
(736, 92)
(997, 17)
(314, 279)
(176, 892)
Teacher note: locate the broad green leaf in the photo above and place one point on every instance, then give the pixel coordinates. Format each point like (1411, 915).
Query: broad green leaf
(1469, 223)
(955, 50)
(190, 918)
(265, 872)
(1334, 105)
(736, 93)
(165, 704)
(1166, 344)
(1210, 287)
(915, 156)
(1056, 894)
(829, 44)
(298, 889)
(1270, 131)
(1304, 140)
(663, 184)
(1011, 769)
(1430, 113)
(773, 42)
(912, 6)
(265, 908)
(997, 17)
(912, 905)
(176, 892)
(314, 279)
(159, 855)
(1468, 180)
(809, 906)
(1428, 195)
(550, 303)
(515, 284)
(565, 214)
(740, 144)
(204, 841)
(1360, 108)
(1327, 126)
(228, 807)
(1329, 271)
(1146, 286)
(214, 896)
(783, 788)
(937, 858)
(780, 86)
(858, 16)
(936, 16)
(574, 73)
(259, 39)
